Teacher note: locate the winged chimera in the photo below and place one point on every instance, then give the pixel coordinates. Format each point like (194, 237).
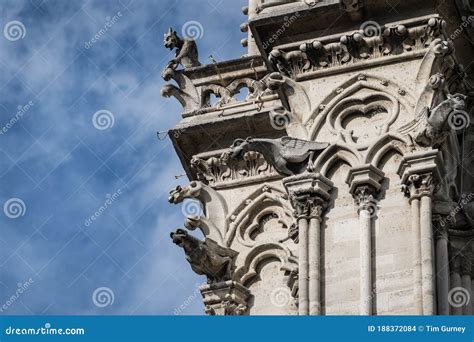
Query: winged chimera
(289, 156)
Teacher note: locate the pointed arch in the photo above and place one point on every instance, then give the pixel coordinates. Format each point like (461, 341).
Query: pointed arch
(334, 153)
(263, 252)
(387, 143)
(255, 207)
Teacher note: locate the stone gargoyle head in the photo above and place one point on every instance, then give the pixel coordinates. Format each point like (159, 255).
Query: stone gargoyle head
(171, 39)
(458, 101)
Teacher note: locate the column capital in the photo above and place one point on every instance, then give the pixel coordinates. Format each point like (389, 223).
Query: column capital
(309, 194)
(364, 179)
(364, 183)
(419, 172)
(466, 263)
(227, 298)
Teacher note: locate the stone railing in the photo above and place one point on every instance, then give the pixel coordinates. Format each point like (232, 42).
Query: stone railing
(198, 86)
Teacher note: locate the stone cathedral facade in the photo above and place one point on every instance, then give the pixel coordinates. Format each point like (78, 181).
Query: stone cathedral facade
(333, 162)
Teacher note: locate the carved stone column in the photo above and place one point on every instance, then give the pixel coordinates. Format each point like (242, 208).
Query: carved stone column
(309, 195)
(442, 263)
(227, 298)
(364, 183)
(455, 280)
(418, 172)
(466, 266)
(411, 190)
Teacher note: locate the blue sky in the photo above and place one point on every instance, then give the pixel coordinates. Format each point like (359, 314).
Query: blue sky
(56, 162)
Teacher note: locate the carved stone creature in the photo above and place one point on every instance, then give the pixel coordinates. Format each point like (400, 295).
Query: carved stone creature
(213, 223)
(289, 156)
(186, 50)
(443, 119)
(206, 257)
(433, 125)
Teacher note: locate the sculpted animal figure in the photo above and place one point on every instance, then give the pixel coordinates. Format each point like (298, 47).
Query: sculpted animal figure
(289, 156)
(213, 224)
(186, 50)
(205, 257)
(442, 119)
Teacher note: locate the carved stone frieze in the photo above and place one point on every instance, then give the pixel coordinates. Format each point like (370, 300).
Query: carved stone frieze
(221, 170)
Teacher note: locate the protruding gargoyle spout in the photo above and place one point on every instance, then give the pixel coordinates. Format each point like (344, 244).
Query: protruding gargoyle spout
(206, 257)
(289, 156)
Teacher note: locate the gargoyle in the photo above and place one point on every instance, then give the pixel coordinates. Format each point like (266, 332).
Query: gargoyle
(186, 94)
(213, 224)
(186, 51)
(442, 119)
(205, 257)
(289, 156)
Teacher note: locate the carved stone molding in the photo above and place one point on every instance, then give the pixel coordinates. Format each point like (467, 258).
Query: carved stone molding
(227, 298)
(355, 47)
